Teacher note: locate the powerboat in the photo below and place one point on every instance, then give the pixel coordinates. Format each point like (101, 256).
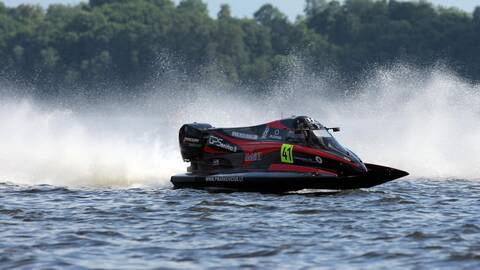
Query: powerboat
(285, 155)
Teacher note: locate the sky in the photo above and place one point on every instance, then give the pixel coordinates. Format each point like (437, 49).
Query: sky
(246, 8)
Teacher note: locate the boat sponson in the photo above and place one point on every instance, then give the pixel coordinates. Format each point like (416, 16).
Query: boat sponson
(288, 181)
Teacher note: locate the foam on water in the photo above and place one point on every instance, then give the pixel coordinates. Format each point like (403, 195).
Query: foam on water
(425, 122)
(59, 147)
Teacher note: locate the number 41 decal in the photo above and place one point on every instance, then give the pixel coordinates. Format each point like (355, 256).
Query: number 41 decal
(286, 153)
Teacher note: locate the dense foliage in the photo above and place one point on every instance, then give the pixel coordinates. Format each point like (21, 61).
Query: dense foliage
(123, 41)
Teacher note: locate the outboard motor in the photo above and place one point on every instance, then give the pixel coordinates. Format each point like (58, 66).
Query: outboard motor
(192, 138)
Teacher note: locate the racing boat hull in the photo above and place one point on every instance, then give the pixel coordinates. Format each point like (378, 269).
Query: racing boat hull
(279, 182)
(280, 156)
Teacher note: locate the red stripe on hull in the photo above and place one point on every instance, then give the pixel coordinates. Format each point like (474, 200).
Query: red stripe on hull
(276, 124)
(296, 168)
(268, 147)
(210, 150)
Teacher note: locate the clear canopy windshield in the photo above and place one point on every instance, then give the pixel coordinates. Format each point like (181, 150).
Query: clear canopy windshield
(323, 139)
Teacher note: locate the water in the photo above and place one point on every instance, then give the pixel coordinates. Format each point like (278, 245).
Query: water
(87, 185)
(407, 224)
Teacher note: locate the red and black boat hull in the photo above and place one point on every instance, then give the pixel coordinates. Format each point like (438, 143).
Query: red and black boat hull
(279, 182)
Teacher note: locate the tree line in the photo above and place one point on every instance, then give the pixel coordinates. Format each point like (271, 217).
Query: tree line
(123, 42)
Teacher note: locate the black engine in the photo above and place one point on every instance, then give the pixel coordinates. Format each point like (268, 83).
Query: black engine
(192, 138)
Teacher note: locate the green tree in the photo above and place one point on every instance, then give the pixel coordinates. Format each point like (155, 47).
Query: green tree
(123, 42)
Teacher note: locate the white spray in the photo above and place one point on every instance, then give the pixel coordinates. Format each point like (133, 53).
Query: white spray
(426, 123)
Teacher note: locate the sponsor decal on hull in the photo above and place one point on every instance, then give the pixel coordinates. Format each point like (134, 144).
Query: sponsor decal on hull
(265, 132)
(244, 135)
(271, 135)
(193, 140)
(286, 153)
(218, 142)
(253, 156)
(275, 135)
(224, 179)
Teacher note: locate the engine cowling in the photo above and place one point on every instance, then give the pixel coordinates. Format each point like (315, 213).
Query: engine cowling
(192, 138)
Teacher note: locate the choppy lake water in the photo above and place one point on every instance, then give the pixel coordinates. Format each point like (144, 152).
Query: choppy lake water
(407, 224)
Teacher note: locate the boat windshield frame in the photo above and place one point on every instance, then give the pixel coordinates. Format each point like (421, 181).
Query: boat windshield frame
(325, 142)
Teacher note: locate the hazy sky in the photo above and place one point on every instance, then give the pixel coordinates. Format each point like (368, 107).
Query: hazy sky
(243, 8)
